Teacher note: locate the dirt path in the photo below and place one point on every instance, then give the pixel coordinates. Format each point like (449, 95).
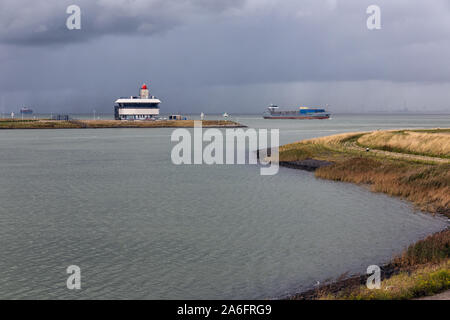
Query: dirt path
(441, 296)
(397, 155)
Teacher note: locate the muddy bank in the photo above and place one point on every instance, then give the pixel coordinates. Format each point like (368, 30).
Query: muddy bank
(344, 284)
(309, 164)
(428, 252)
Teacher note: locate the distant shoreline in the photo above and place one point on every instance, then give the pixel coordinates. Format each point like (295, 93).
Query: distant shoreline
(6, 124)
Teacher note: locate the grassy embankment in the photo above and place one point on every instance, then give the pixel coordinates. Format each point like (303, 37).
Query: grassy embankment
(410, 164)
(422, 270)
(97, 124)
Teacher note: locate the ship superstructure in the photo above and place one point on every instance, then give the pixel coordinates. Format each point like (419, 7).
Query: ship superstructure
(273, 112)
(26, 110)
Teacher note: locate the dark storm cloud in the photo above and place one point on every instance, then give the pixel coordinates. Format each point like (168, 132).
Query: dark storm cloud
(39, 23)
(206, 55)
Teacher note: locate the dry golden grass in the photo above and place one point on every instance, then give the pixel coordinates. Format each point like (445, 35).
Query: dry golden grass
(36, 124)
(427, 186)
(426, 143)
(331, 148)
(433, 249)
(337, 140)
(425, 181)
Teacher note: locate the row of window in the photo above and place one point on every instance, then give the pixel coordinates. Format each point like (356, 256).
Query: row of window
(138, 105)
(135, 117)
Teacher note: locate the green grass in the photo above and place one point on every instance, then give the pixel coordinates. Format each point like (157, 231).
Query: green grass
(444, 130)
(422, 269)
(425, 281)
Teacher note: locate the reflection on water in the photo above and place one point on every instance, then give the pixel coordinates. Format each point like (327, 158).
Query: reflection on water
(111, 202)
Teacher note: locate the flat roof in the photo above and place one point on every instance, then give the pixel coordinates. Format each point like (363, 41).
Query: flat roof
(137, 100)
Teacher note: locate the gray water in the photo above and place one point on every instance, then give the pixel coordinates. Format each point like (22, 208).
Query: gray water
(139, 227)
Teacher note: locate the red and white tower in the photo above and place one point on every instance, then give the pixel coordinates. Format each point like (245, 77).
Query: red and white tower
(144, 92)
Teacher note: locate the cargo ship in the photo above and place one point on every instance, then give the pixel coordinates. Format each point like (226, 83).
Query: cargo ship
(273, 112)
(25, 110)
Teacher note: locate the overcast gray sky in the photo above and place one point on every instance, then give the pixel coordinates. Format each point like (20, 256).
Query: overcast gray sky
(236, 56)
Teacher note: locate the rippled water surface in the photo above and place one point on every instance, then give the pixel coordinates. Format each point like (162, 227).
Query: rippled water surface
(111, 202)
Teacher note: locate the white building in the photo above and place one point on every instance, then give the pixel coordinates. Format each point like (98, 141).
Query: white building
(137, 108)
